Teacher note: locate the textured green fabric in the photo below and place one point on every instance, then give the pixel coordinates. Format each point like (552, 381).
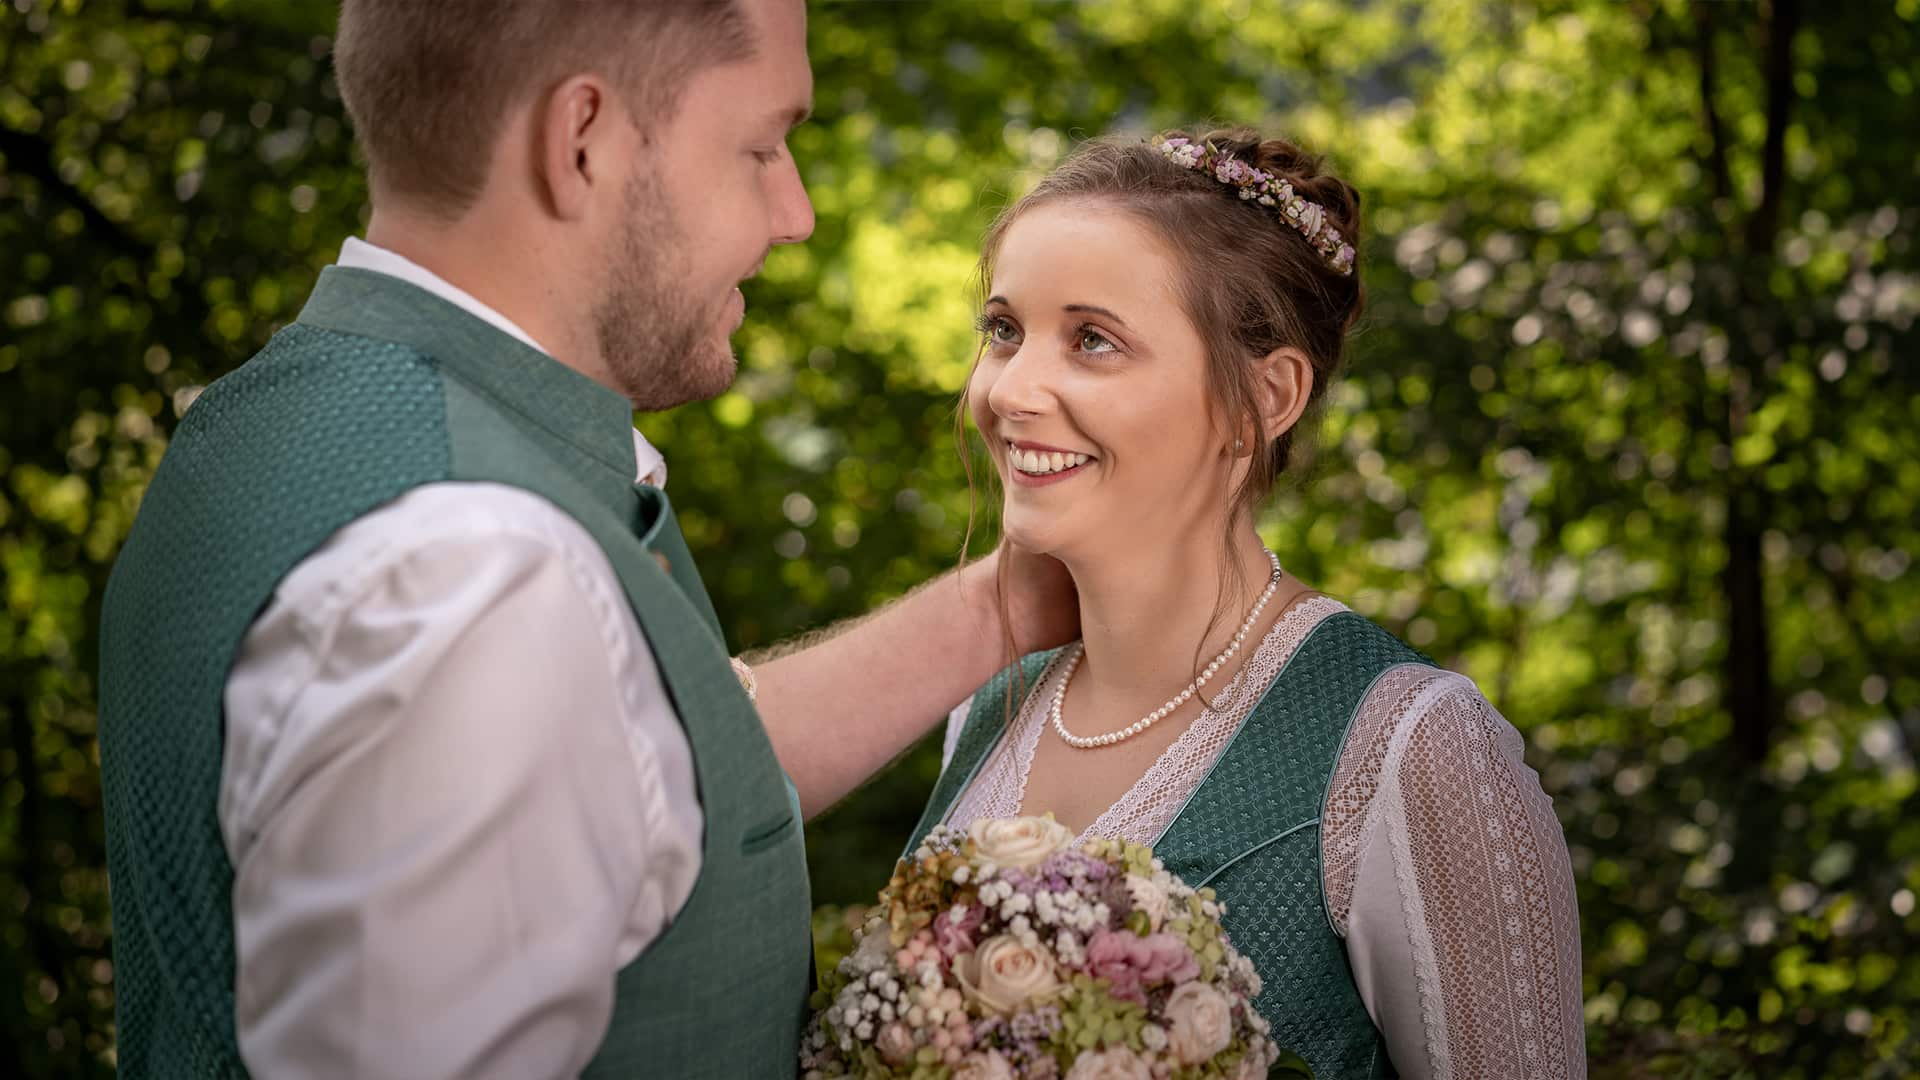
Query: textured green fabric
(381, 387)
(1251, 832)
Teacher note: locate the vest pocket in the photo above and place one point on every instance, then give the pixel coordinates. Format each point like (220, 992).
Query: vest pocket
(767, 834)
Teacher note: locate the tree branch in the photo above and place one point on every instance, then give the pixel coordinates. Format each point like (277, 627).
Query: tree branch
(35, 156)
(1716, 139)
(1782, 23)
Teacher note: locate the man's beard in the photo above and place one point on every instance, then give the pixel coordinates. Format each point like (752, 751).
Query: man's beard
(661, 346)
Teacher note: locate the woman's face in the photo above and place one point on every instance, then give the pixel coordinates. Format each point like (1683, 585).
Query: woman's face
(1092, 391)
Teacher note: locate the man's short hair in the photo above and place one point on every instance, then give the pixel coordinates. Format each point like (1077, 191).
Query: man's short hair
(428, 83)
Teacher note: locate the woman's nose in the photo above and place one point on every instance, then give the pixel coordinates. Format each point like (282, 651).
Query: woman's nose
(1019, 388)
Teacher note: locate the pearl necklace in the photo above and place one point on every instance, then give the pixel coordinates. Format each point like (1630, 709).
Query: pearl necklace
(1085, 742)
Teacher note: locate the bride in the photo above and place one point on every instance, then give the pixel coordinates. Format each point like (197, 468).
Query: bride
(1161, 318)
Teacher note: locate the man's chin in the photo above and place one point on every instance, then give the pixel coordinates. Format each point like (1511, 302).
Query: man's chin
(715, 374)
(703, 377)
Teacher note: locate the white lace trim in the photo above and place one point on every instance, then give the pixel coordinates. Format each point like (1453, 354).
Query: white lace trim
(1154, 800)
(1426, 961)
(1352, 813)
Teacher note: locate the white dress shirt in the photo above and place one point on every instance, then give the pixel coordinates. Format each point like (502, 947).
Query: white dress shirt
(455, 793)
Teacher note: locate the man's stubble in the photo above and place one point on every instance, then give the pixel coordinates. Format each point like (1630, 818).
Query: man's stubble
(661, 345)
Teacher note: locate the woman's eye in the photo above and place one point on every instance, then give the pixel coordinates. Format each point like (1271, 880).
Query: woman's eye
(1091, 340)
(998, 329)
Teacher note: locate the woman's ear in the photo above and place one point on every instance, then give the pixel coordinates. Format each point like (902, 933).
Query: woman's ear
(1282, 386)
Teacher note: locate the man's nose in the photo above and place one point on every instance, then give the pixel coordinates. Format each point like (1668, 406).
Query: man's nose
(792, 210)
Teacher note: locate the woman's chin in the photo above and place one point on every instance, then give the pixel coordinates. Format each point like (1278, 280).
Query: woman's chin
(1039, 534)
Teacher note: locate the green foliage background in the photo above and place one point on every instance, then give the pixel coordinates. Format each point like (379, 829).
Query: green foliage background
(1631, 435)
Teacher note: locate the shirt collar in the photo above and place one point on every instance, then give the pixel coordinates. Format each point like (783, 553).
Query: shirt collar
(358, 254)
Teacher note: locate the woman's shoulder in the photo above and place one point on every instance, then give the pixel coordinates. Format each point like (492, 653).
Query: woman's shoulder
(1321, 650)
(1422, 730)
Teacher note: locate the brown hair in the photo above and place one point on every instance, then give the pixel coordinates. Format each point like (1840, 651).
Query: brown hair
(427, 84)
(1249, 281)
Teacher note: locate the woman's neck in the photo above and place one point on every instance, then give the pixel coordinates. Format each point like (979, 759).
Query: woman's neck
(1145, 615)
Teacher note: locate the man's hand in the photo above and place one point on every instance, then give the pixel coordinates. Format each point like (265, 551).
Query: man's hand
(845, 705)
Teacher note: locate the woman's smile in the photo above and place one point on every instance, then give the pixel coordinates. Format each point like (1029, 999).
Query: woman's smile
(1036, 465)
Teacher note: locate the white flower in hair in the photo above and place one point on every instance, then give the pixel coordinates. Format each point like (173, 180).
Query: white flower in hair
(1311, 219)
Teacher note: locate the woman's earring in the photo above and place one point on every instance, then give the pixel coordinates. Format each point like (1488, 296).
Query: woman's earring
(1239, 444)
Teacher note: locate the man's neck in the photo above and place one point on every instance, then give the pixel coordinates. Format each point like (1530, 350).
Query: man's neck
(501, 267)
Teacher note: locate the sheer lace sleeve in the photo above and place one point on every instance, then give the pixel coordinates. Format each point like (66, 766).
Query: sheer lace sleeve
(1447, 873)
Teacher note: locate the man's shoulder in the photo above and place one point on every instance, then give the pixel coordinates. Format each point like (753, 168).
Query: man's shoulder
(306, 376)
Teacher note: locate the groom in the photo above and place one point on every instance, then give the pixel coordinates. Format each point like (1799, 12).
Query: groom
(422, 753)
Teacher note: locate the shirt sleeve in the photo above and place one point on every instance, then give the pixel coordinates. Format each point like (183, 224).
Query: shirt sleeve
(956, 723)
(446, 841)
(1455, 891)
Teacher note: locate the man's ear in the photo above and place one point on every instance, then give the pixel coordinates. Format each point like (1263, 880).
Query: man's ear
(578, 144)
(1282, 386)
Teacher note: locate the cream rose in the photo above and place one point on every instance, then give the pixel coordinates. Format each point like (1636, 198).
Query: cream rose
(1022, 842)
(1199, 1022)
(1119, 1063)
(991, 1065)
(1147, 895)
(1004, 974)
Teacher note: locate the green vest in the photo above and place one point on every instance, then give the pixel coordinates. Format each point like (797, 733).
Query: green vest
(1251, 832)
(378, 388)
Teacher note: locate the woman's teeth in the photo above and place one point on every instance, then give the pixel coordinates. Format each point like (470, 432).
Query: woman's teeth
(1040, 462)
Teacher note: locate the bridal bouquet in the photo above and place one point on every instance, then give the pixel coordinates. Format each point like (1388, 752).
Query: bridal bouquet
(1006, 951)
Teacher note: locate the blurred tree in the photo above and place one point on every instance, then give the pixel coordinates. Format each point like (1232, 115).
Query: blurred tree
(1630, 434)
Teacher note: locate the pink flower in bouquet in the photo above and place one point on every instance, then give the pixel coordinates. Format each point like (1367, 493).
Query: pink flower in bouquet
(919, 949)
(1200, 1021)
(1131, 963)
(895, 1043)
(956, 936)
(1119, 1063)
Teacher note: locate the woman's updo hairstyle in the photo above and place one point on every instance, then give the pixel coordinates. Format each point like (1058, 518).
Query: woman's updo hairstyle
(1250, 281)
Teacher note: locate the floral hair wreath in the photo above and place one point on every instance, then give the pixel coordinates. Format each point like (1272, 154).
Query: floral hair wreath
(1257, 185)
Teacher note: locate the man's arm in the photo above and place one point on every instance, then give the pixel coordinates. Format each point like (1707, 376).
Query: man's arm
(841, 707)
(446, 836)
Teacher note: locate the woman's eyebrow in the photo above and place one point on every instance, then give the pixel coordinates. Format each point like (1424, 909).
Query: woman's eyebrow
(1094, 309)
